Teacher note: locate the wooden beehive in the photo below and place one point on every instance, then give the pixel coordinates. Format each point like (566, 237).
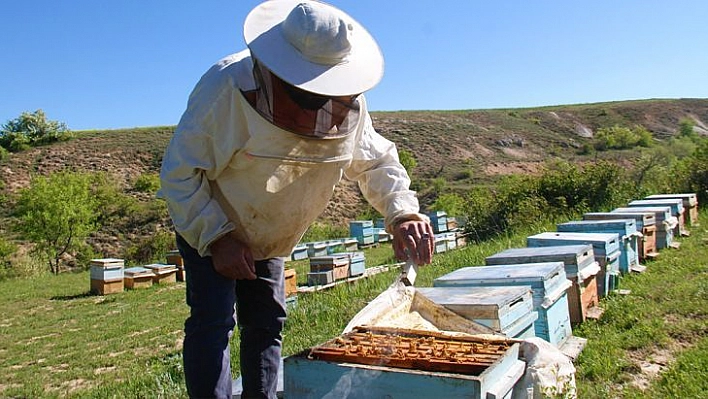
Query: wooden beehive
(318, 248)
(506, 310)
(580, 266)
(690, 204)
(548, 284)
(665, 223)
(646, 225)
(380, 235)
(138, 277)
(290, 277)
(363, 231)
(350, 244)
(438, 219)
(175, 258)
(337, 263)
(106, 276)
(163, 273)
(320, 278)
(379, 362)
(440, 243)
(606, 251)
(299, 252)
(677, 210)
(626, 229)
(357, 263)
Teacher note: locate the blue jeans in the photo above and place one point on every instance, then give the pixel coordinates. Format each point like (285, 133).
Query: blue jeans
(260, 311)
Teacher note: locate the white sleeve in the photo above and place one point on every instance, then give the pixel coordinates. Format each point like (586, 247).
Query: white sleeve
(382, 179)
(202, 146)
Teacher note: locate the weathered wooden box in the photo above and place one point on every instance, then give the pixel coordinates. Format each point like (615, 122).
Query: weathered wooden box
(677, 210)
(438, 219)
(310, 374)
(299, 252)
(320, 278)
(138, 277)
(665, 223)
(290, 277)
(440, 243)
(626, 229)
(451, 240)
(380, 235)
(175, 258)
(548, 284)
(337, 263)
(646, 225)
(606, 251)
(163, 273)
(357, 263)
(106, 275)
(581, 269)
(318, 248)
(690, 204)
(506, 310)
(451, 223)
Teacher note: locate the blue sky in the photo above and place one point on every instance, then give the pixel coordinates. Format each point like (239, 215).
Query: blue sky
(128, 63)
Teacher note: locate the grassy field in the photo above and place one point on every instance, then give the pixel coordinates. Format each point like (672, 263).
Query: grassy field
(57, 340)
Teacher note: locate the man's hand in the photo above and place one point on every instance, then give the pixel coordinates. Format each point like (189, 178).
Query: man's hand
(416, 238)
(232, 259)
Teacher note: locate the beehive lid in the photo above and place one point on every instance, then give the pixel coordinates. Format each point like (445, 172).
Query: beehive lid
(137, 271)
(626, 226)
(676, 204)
(520, 272)
(602, 243)
(334, 259)
(661, 213)
(641, 218)
(160, 267)
(689, 199)
(107, 262)
(477, 302)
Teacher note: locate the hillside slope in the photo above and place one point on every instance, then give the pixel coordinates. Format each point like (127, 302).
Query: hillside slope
(465, 147)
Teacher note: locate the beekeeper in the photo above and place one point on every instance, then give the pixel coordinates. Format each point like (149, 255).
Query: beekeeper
(267, 134)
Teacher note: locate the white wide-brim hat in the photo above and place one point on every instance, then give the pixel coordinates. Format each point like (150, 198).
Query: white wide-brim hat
(314, 46)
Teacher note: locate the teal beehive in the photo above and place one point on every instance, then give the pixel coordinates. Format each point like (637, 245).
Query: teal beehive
(665, 223)
(548, 284)
(677, 210)
(626, 229)
(646, 225)
(606, 250)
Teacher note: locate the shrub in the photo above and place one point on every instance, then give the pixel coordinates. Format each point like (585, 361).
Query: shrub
(407, 160)
(147, 183)
(151, 249)
(31, 129)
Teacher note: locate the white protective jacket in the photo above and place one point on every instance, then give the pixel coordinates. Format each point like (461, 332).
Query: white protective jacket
(229, 169)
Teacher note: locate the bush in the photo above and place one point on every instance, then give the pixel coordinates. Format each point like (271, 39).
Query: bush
(147, 183)
(152, 249)
(31, 129)
(321, 232)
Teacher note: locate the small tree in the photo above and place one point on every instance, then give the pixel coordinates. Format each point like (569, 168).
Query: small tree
(56, 213)
(407, 160)
(31, 129)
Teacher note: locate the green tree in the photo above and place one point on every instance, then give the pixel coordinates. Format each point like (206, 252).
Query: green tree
(56, 213)
(31, 129)
(407, 160)
(686, 129)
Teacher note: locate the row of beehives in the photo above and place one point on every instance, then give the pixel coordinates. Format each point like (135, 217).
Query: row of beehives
(365, 233)
(568, 271)
(109, 275)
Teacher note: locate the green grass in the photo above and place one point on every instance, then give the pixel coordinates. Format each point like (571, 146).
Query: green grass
(56, 340)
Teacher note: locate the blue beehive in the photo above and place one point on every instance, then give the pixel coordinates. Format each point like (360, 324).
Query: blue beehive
(548, 284)
(677, 210)
(308, 375)
(299, 252)
(646, 225)
(665, 223)
(362, 230)
(580, 266)
(318, 248)
(334, 246)
(380, 235)
(357, 263)
(606, 250)
(507, 310)
(690, 205)
(626, 229)
(439, 221)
